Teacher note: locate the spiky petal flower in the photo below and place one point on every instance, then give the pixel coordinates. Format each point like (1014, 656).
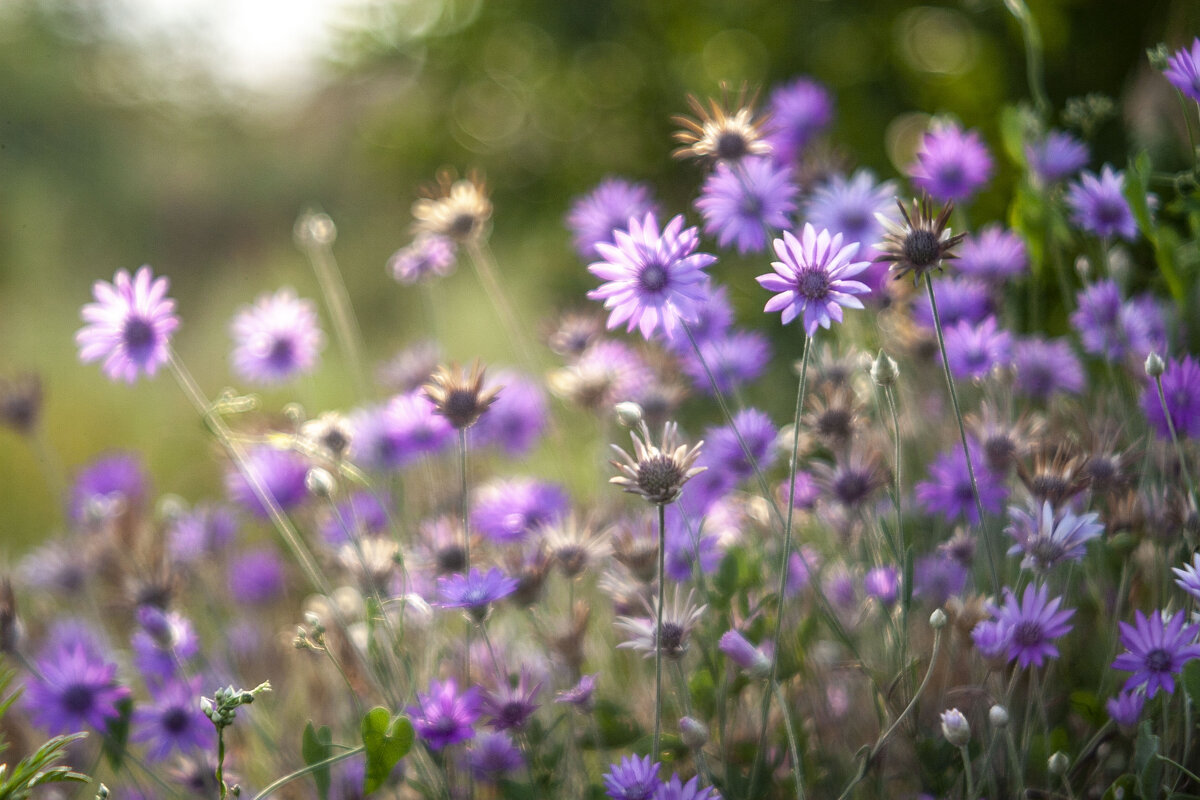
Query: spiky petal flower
(510, 707)
(442, 716)
(276, 339)
(740, 204)
(173, 721)
(1048, 538)
(456, 209)
(459, 397)
(1126, 709)
(850, 206)
(656, 472)
(921, 243)
(797, 112)
(1055, 156)
(1034, 622)
(1156, 650)
(676, 789)
(719, 134)
(75, 688)
(811, 278)
(129, 325)
(1181, 389)
(1098, 204)
(952, 164)
(653, 279)
(1187, 577)
(474, 591)
(595, 216)
(679, 618)
(493, 756)
(1183, 70)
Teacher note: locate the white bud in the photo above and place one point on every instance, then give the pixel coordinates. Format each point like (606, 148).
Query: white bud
(319, 482)
(1154, 365)
(1058, 763)
(629, 413)
(937, 620)
(693, 733)
(955, 727)
(884, 370)
(998, 716)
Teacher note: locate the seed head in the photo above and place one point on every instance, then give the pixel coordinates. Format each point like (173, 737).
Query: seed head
(921, 243)
(657, 473)
(459, 397)
(724, 131)
(456, 209)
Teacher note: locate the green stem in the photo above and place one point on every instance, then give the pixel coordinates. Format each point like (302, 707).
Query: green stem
(793, 749)
(966, 759)
(337, 299)
(485, 269)
(300, 773)
(1033, 55)
(662, 554)
(1187, 476)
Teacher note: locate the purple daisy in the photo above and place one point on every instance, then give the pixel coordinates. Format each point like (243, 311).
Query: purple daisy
(494, 756)
(516, 419)
(652, 280)
(509, 510)
(1046, 367)
(205, 531)
(129, 325)
(850, 206)
(73, 689)
(509, 707)
(1056, 156)
(442, 716)
(166, 642)
(974, 350)
(734, 358)
(632, 779)
(1144, 321)
(1187, 577)
(279, 473)
(882, 583)
(112, 484)
(740, 204)
(1097, 317)
(1126, 708)
(952, 164)
(276, 339)
(474, 591)
(714, 317)
(1035, 622)
(948, 492)
(744, 654)
(173, 721)
(1181, 389)
(960, 298)
(688, 550)
(675, 789)
(361, 514)
(1156, 650)
(1098, 204)
(256, 577)
(1047, 538)
(608, 207)
(579, 695)
(429, 256)
(992, 639)
(400, 432)
(937, 577)
(723, 450)
(994, 255)
(796, 112)
(811, 278)
(1183, 70)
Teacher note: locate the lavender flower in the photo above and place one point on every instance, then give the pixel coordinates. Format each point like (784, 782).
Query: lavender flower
(129, 325)
(173, 721)
(994, 255)
(1035, 621)
(1098, 204)
(632, 779)
(951, 164)
(739, 207)
(166, 642)
(974, 350)
(442, 716)
(1055, 156)
(734, 359)
(1097, 317)
(938, 577)
(73, 688)
(579, 695)
(201, 533)
(276, 339)
(359, 515)
(112, 484)
(1046, 367)
(723, 451)
(811, 278)
(1187, 577)
(608, 207)
(1126, 709)
(960, 298)
(1183, 70)
(509, 510)
(993, 639)
(429, 256)
(744, 654)
(850, 206)
(797, 111)
(955, 727)
(510, 707)
(1156, 650)
(516, 419)
(494, 756)
(678, 620)
(279, 473)
(1181, 389)
(883, 583)
(653, 280)
(688, 550)
(474, 591)
(1047, 538)
(256, 577)
(675, 789)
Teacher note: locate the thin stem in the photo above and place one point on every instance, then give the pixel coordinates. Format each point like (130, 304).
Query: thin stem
(662, 553)
(462, 515)
(793, 749)
(485, 268)
(966, 759)
(1033, 55)
(1178, 766)
(1183, 467)
(337, 299)
(300, 773)
(962, 432)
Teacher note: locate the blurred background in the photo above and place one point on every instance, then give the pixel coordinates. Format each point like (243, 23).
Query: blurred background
(191, 134)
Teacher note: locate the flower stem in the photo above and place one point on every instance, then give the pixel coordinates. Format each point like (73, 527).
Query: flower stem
(1033, 55)
(962, 432)
(658, 654)
(300, 773)
(485, 269)
(462, 516)
(966, 759)
(1183, 467)
(793, 749)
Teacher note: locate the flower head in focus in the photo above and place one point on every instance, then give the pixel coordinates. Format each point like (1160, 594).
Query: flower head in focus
(129, 325)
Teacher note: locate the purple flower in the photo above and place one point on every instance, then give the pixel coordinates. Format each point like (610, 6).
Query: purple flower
(796, 112)
(279, 474)
(994, 255)
(1097, 317)
(515, 420)
(675, 789)
(442, 716)
(361, 514)
(960, 299)
(938, 577)
(1046, 366)
(1144, 321)
(1126, 708)
(723, 450)
(1098, 204)
(507, 511)
(1034, 622)
(688, 549)
(951, 164)
(740, 204)
(493, 756)
(129, 325)
(652, 280)
(400, 432)
(734, 359)
(110, 485)
(73, 688)
(1181, 389)
(1056, 155)
(992, 639)
(948, 491)
(1156, 650)
(632, 779)
(608, 207)
(714, 317)
(474, 591)
(166, 642)
(1047, 537)
(1183, 70)
(276, 339)
(883, 583)
(811, 278)
(802, 565)
(510, 706)
(579, 695)
(429, 256)
(974, 350)
(256, 577)
(173, 721)
(744, 654)
(1187, 577)
(850, 206)
(201, 533)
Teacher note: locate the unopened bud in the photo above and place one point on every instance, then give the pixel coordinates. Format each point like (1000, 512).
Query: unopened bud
(319, 482)
(1058, 763)
(314, 228)
(629, 414)
(937, 620)
(998, 716)
(693, 732)
(955, 727)
(1155, 365)
(884, 370)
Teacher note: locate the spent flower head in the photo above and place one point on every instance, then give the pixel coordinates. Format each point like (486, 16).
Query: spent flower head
(727, 130)
(919, 244)
(459, 397)
(455, 208)
(656, 472)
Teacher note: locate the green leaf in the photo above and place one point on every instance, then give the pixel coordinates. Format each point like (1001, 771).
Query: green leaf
(386, 741)
(1191, 681)
(727, 575)
(704, 693)
(615, 726)
(1122, 788)
(1145, 763)
(118, 735)
(1137, 180)
(316, 747)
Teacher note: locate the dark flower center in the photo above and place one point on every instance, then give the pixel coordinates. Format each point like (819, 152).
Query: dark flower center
(512, 714)
(653, 278)
(1158, 660)
(138, 337)
(853, 223)
(851, 488)
(835, 423)
(78, 698)
(461, 226)
(451, 559)
(951, 175)
(1049, 487)
(731, 146)
(175, 720)
(813, 284)
(672, 639)
(335, 441)
(461, 407)
(282, 353)
(921, 248)
(751, 206)
(1109, 213)
(999, 450)
(659, 478)
(1028, 634)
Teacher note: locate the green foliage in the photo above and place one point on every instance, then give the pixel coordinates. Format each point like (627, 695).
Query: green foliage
(615, 725)
(386, 740)
(315, 747)
(1146, 765)
(40, 768)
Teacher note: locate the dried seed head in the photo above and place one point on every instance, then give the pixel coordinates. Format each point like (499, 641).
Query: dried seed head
(657, 473)
(459, 397)
(728, 130)
(456, 209)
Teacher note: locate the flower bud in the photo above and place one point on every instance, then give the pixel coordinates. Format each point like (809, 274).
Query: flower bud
(955, 727)
(319, 482)
(1154, 365)
(693, 732)
(1058, 763)
(884, 370)
(998, 716)
(629, 414)
(937, 620)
